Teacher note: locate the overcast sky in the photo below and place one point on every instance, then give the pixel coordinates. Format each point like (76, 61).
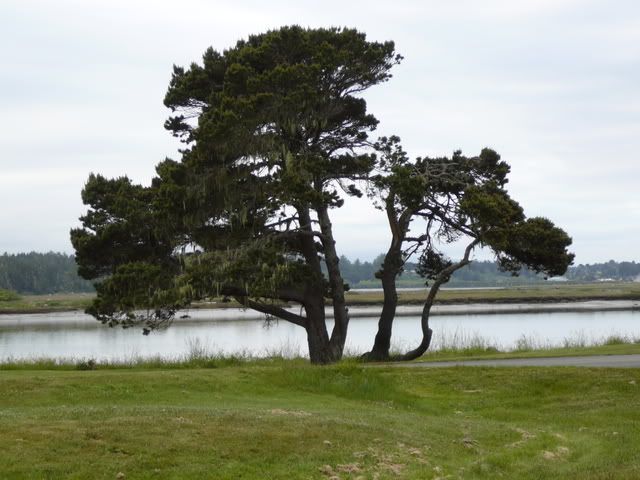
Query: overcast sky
(552, 85)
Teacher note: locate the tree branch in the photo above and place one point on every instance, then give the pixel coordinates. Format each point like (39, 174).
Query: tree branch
(287, 221)
(284, 294)
(273, 310)
(302, 233)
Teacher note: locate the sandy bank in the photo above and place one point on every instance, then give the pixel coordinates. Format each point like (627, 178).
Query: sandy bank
(497, 308)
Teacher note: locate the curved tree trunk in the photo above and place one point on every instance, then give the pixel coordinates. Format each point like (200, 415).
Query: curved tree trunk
(382, 343)
(427, 333)
(391, 268)
(443, 277)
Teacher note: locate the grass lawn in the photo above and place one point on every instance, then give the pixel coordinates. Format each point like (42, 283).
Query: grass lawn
(290, 420)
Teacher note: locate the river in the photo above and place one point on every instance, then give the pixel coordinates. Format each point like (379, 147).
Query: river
(74, 335)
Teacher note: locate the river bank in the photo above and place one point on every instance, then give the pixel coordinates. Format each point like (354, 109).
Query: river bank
(548, 297)
(232, 314)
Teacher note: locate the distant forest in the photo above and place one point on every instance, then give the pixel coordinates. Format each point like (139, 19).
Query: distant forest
(41, 273)
(486, 273)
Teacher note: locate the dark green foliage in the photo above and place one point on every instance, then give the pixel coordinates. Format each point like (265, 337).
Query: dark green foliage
(277, 121)
(134, 285)
(432, 263)
(459, 199)
(274, 130)
(463, 197)
(361, 274)
(121, 227)
(358, 271)
(39, 273)
(537, 244)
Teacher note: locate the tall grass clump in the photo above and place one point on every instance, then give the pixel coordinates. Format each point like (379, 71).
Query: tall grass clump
(8, 295)
(11, 363)
(579, 340)
(464, 343)
(461, 343)
(617, 339)
(531, 343)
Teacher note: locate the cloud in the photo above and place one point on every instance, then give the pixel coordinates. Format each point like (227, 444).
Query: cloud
(551, 84)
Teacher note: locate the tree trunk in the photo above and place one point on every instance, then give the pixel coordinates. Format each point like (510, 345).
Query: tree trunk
(391, 268)
(382, 343)
(317, 338)
(321, 350)
(427, 333)
(336, 283)
(442, 278)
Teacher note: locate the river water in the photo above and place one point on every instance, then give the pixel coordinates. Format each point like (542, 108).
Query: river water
(74, 335)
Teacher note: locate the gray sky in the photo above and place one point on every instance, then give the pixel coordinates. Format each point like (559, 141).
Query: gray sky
(552, 85)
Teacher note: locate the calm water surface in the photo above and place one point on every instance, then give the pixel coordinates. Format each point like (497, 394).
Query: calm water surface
(76, 335)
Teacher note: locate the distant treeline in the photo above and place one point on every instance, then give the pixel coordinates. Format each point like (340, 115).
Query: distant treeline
(40, 273)
(487, 273)
(605, 271)
(362, 274)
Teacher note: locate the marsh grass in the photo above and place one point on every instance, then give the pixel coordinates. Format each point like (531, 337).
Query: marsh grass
(57, 302)
(199, 355)
(620, 340)
(528, 346)
(466, 345)
(8, 296)
(548, 292)
(458, 344)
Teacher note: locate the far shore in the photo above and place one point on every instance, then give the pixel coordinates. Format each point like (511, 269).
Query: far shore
(497, 308)
(521, 299)
(239, 314)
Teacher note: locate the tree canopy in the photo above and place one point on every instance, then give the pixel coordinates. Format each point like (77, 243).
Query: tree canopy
(275, 133)
(457, 198)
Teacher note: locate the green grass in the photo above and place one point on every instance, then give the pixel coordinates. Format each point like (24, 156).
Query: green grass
(201, 358)
(472, 347)
(293, 421)
(8, 296)
(57, 302)
(549, 292)
(491, 353)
